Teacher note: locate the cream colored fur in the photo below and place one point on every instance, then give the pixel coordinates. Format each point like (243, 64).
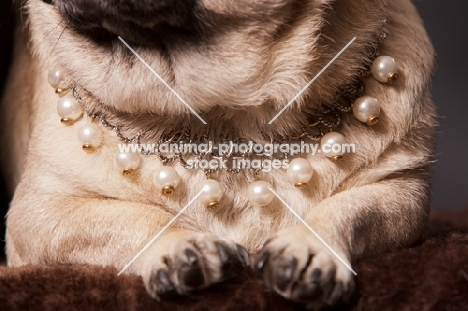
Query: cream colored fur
(71, 207)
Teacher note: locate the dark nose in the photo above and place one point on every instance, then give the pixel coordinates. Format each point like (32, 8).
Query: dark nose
(131, 18)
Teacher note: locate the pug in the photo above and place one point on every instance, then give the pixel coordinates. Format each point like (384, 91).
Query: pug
(218, 70)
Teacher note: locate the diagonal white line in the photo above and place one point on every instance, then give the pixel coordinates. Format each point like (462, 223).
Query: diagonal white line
(162, 80)
(313, 231)
(312, 81)
(160, 232)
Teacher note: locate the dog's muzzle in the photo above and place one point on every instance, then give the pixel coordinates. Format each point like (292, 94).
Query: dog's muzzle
(133, 19)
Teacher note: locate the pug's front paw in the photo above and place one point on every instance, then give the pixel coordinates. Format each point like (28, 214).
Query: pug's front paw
(297, 266)
(192, 263)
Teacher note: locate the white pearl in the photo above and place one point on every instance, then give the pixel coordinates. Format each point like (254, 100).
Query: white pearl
(128, 161)
(211, 194)
(367, 110)
(90, 135)
(167, 179)
(69, 108)
(56, 80)
(332, 145)
(259, 193)
(384, 69)
(300, 172)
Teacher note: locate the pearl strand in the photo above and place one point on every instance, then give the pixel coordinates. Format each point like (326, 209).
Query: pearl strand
(366, 109)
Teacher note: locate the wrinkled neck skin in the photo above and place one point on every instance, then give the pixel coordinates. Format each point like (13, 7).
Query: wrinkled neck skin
(242, 83)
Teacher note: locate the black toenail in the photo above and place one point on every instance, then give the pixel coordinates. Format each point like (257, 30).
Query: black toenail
(192, 257)
(260, 264)
(243, 255)
(289, 269)
(222, 251)
(336, 294)
(164, 281)
(285, 275)
(316, 274)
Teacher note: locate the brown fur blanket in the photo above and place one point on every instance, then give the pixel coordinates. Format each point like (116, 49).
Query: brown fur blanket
(430, 275)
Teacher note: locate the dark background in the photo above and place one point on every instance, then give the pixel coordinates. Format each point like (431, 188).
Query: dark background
(6, 37)
(447, 25)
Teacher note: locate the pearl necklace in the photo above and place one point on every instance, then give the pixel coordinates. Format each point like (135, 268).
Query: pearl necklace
(366, 109)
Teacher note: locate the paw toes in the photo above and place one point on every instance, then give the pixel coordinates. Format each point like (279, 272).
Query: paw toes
(283, 275)
(308, 287)
(189, 271)
(282, 272)
(192, 264)
(260, 263)
(296, 272)
(162, 284)
(336, 294)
